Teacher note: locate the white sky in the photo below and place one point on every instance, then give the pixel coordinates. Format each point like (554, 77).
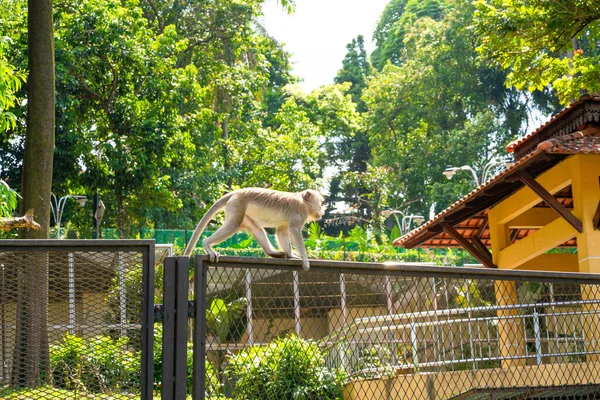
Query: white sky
(317, 34)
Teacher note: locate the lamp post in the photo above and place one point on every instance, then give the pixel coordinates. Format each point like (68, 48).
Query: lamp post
(450, 171)
(407, 220)
(58, 206)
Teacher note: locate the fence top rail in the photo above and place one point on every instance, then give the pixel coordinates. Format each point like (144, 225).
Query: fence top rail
(75, 244)
(413, 269)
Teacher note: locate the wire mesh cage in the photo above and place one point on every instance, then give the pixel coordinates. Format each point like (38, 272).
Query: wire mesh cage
(71, 319)
(341, 331)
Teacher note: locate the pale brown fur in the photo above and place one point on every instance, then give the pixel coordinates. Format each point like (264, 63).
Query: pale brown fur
(254, 209)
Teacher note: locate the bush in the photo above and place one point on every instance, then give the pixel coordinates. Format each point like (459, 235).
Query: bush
(98, 364)
(288, 368)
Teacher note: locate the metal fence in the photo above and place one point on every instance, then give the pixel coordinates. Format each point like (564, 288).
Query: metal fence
(394, 331)
(71, 319)
(75, 320)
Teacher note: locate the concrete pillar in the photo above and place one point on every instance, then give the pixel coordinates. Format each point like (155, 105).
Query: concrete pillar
(586, 196)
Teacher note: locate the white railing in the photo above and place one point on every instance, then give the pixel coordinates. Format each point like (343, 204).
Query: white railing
(461, 338)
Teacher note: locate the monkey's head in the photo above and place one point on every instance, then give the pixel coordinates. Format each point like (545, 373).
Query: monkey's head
(315, 203)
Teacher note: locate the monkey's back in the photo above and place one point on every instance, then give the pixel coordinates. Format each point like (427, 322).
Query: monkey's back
(269, 207)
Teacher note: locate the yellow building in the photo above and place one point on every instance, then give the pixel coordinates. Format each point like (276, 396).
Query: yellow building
(548, 199)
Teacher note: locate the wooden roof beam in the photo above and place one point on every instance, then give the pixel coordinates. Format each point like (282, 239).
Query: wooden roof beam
(596, 220)
(550, 200)
(483, 257)
(482, 227)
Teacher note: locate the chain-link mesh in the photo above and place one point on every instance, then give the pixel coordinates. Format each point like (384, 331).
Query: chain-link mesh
(70, 322)
(400, 333)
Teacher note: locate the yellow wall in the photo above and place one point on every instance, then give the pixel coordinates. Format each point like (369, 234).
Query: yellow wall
(443, 385)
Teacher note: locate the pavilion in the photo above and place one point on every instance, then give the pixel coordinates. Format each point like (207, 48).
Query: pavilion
(548, 199)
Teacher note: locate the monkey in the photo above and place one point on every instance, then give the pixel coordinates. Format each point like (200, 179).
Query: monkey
(253, 209)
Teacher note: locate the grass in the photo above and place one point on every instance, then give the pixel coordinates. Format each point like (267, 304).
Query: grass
(46, 392)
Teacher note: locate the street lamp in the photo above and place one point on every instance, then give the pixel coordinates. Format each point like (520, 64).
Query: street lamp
(407, 220)
(58, 206)
(451, 171)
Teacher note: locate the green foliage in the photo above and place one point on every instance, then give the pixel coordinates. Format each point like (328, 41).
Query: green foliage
(132, 290)
(469, 295)
(542, 43)
(47, 392)
(98, 364)
(223, 319)
(289, 368)
(8, 200)
(374, 362)
(10, 83)
(433, 104)
(373, 188)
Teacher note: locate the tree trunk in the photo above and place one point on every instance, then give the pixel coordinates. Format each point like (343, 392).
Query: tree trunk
(31, 358)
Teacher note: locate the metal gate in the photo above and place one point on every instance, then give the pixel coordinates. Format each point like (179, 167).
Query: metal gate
(76, 318)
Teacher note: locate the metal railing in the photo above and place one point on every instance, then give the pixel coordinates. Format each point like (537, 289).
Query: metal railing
(473, 339)
(396, 330)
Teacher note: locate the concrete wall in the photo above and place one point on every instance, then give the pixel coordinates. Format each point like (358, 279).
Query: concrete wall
(444, 385)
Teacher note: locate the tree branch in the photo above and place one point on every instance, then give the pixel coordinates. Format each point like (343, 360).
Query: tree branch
(26, 221)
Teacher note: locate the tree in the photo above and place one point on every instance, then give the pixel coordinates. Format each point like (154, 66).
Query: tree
(433, 104)
(354, 150)
(127, 95)
(31, 355)
(543, 43)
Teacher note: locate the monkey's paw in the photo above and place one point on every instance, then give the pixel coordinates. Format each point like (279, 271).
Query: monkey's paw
(214, 257)
(277, 254)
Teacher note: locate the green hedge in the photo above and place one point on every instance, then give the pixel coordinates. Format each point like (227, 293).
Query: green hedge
(450, 257)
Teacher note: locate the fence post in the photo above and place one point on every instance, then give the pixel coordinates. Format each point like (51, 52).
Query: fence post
(199, 377)
(174, 366)
(181, 327)
(71, 275)
(414, 341)
(297, 323)
(538, 337)
(250, 327)
(168, 334)
(148, 322)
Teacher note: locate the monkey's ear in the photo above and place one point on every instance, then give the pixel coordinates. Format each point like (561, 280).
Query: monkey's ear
(307, 195)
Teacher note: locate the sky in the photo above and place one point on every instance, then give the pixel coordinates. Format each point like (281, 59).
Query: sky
(317, 33)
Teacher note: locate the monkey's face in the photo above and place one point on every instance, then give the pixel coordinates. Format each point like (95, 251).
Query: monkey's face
(316, 205)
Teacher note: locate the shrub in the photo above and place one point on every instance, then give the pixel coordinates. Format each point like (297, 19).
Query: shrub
(374, 362)
(98, 364)
(288, 368)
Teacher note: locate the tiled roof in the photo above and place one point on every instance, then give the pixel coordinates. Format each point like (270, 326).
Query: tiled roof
(584, 145)
(471, 196)
(513, 146)
(581, 142)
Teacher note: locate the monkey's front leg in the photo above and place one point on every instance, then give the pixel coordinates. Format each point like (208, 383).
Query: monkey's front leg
(298, 242)
(283, 240)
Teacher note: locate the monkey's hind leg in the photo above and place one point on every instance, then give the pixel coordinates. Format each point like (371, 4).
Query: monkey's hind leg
(231, 225)
(261, 237)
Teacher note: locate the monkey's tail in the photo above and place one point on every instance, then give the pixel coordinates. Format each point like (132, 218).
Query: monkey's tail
(218, 206)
